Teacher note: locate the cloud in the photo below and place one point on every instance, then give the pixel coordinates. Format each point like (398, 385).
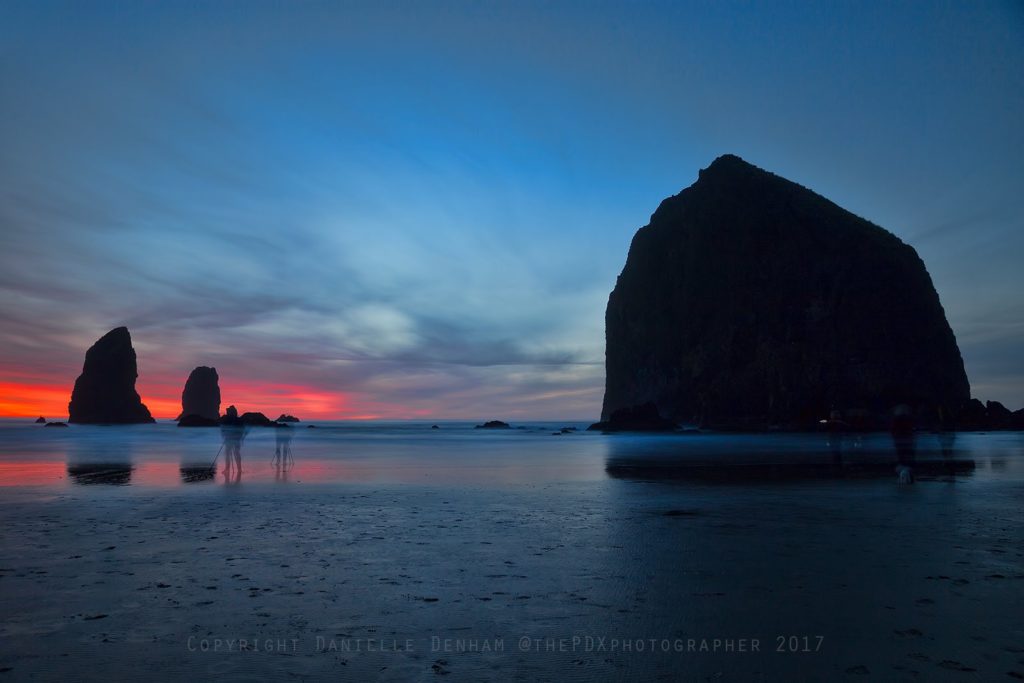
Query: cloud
(415, 208)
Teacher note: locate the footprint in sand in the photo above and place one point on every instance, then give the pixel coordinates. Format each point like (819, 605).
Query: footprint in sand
(954, 665)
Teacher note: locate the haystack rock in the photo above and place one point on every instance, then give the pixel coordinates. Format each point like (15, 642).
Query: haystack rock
(105, 391)
(201, 396)
(750, 301)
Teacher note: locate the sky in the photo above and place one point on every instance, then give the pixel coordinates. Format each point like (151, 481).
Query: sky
(418, 209)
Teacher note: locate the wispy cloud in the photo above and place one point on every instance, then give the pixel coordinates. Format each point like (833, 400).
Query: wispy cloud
(421, 210)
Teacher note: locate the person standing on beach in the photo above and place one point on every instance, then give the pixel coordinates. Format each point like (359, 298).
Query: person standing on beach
(902, 430)
(232, 431)
(283, 445)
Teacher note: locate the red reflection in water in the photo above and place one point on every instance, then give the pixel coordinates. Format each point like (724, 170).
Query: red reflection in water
(166, 474)
(32, 473)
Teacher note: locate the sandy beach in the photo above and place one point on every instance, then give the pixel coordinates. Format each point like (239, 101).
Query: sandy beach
(597, 578)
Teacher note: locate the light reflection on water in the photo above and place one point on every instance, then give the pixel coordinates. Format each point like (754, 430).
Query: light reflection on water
(163, 455)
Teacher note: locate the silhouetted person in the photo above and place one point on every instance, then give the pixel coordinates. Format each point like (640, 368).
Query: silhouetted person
(947, 437)
(283, 446)
(836, 426)
(947, 423)
(902, 430)
(232, 431)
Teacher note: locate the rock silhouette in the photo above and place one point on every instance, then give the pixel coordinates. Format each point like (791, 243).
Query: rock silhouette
(287, 418)
(493, 424)
(257, 419)
(40, 420)
(230, 416)
(750, 301)
(989, 415)
(250, 419)
(201, 396)
(643, 418)
(105, 391)
(197, 421)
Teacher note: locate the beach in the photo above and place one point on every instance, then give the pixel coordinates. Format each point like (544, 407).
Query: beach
(501, 556)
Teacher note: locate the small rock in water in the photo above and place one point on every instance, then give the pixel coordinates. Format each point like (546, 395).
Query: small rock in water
(494, 424)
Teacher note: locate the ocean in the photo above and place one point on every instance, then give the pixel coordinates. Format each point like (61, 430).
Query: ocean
(456, 453)
(394, 551)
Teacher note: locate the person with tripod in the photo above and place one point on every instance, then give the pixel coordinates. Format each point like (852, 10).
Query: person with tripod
(232, 431)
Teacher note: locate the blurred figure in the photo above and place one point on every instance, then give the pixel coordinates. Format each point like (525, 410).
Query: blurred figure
(281, 472)
(233, 477)
(836, 426)
(283, 446)
(947, 438)
(903, 441)
(232, 431)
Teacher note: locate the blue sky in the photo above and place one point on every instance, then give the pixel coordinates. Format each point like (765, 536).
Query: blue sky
(420, 208)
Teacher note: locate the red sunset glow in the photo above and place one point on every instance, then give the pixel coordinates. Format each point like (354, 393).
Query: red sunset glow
(49, 398)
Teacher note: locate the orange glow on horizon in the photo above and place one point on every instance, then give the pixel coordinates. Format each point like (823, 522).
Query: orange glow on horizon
(42, 396)
(25, 399)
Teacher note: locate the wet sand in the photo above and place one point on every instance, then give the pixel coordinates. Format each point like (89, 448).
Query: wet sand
(552, 581)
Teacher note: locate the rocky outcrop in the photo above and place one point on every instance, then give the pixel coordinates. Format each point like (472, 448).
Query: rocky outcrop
(231, 417)
(975, 415)
(287, 418)
(197, 421)
(201, 396)
(643, 418)
(493, 424)
(750, 301)
(257, 419)
(40, 420)
(250, 419)
(105, 391)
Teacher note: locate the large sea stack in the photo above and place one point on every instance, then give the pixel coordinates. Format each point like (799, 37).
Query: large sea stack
(201, 396)
(749, 301)
(105, 391)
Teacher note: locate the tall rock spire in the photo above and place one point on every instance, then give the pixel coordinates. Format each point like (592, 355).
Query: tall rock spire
(105, 391)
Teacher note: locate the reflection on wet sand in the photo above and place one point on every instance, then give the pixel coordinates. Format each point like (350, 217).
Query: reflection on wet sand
(170, 457)
(118, 473)
(191, 474)
(232, 476)
(904, 457)
(91, 462)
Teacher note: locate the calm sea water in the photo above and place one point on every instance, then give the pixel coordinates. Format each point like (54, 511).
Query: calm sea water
(121, 544)
(163, 455)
